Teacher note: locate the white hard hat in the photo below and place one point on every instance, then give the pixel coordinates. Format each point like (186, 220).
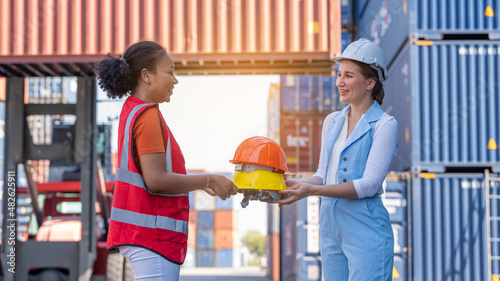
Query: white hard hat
(365, 51)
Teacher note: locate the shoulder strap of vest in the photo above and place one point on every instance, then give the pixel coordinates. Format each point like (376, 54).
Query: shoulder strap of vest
(136, 179)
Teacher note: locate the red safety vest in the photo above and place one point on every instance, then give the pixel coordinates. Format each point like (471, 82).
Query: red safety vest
(158, 222)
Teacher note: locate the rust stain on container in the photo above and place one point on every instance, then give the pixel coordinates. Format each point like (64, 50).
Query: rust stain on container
(231, 36)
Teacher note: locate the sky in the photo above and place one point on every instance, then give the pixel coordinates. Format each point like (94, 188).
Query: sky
(209, 117)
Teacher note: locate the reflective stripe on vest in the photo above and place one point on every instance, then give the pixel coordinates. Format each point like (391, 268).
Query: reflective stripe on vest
(135, 179)
(150, 221)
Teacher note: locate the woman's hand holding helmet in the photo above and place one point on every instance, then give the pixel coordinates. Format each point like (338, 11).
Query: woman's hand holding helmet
(296, 190)
(218, 185)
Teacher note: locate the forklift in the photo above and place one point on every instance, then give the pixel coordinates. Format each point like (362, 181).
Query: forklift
(67, 245)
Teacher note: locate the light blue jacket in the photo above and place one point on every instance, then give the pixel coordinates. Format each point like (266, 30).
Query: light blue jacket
(354, 155)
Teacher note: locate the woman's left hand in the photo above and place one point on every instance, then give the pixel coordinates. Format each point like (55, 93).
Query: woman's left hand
(296, 191)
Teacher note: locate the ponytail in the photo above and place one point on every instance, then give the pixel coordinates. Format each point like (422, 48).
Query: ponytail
(114, 76)
(119, 76)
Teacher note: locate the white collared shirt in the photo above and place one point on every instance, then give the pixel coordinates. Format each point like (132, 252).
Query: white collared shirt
(384, 148)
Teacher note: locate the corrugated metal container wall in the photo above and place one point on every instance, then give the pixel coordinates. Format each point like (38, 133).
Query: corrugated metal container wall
(386, 24)
(308, 94)
(346, 14)
(449, 227)
(205, 238)
(309, 268)
(228, 258)
(226, 239)
(395, 200)
(226, 219)
(205, 258)
(346, 40)
(390, 23)
(451, 90)
(301, 141)
(205, 219)
(288, 242)
(91, 27)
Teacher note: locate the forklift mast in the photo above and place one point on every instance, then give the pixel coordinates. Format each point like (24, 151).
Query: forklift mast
(76, 258)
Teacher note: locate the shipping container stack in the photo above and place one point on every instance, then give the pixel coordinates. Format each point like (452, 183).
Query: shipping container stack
(204, 206)
(214, 237)
(297, 108)
(395, 199)
(443, 59)
(227, 241)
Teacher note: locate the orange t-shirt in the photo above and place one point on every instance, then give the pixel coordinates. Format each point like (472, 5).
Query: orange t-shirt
(148, 136)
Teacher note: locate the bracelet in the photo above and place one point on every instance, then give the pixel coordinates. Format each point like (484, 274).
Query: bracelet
(208, 181)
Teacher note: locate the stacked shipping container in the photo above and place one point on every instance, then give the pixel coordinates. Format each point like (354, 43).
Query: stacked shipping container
(296, 111)
(214, 238)
(443, 90)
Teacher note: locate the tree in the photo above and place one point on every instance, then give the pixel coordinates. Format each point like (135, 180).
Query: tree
(255, 242)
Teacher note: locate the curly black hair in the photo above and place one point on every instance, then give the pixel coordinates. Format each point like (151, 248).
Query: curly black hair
(118, 76)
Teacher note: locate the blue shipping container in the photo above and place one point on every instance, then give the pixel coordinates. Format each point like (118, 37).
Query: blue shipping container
(204, 238)
(446, 100)
(288, 242)
(309, 268)
(400, 239)
(346, 40)
(386, 25)
(228, 258)
(396, 205)
(346, 13)
(400, 270)
(359, 8)
(449, 227)
(308, 94)
(205, 258)
(390, 22)
(308, 210)
(308, 239)
(205, 219)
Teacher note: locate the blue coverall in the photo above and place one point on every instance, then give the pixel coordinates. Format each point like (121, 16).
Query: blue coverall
(356, 238)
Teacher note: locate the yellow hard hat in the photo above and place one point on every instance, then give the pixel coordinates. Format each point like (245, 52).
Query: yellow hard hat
(261, 180)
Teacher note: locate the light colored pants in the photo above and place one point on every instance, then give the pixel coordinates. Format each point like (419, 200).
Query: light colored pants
(356, 240)
(148, 265)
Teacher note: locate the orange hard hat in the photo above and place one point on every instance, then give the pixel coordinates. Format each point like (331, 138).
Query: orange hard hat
(260, 151)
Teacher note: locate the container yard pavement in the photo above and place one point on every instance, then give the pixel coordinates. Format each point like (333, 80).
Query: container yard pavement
(223, 273)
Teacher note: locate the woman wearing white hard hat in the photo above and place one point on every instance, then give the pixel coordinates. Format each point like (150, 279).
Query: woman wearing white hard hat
(358, 144)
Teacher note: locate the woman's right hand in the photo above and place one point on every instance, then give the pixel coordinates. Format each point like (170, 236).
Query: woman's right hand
(221, 186)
